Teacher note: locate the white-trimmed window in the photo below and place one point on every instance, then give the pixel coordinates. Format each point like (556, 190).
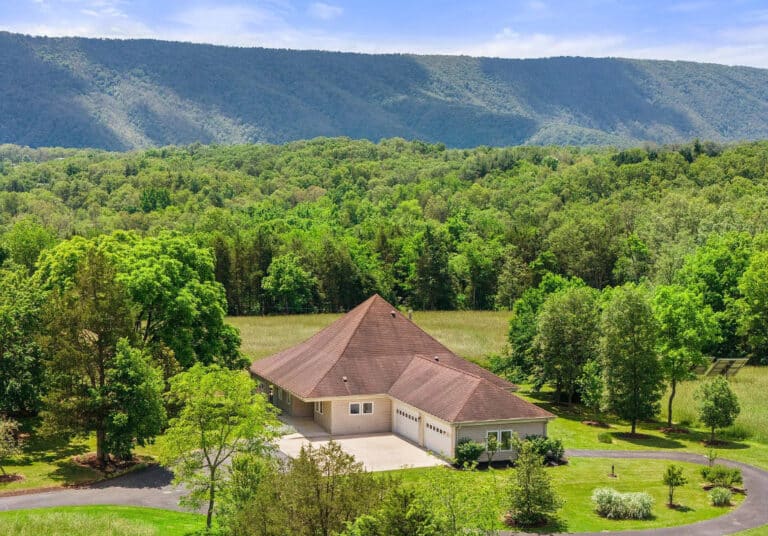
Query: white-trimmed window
(367, 408)
(489, 435)
(319, 408)
(354, 408)
(506, 439)
(288, 397)
(279, 393)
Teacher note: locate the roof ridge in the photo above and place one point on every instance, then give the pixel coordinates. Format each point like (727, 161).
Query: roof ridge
(356, 324)
(457, 369)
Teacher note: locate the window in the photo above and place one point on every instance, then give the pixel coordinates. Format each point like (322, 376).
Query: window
(506, 440)
(490, 435)
(354, 408)
(319, 407)
(367, 408)
(279, 393)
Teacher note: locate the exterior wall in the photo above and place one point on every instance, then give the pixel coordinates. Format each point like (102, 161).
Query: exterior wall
(423, 417)
(299, 408)
(342, 423)
(478, 433)
(324, 419)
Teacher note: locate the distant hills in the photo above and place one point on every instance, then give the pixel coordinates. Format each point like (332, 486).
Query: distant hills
(118, 95)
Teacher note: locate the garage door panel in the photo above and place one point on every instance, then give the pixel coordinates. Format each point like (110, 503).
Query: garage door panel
(407, 423)
(437, 437)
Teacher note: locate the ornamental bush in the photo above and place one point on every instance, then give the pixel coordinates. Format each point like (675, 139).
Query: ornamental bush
(720, 497)
(613, 504)
(468, 451)
(549, 448)
(722, 476)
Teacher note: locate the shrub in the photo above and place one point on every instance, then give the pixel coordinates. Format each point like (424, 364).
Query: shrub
(612, 504)
(468, 451)
(722, 476)
(549, 448)
(605, 437)
(720, 497)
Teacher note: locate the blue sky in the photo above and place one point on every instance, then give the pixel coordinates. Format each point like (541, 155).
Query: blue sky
(733, 32)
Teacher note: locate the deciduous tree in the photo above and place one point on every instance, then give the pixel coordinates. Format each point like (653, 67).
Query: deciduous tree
(631, 368)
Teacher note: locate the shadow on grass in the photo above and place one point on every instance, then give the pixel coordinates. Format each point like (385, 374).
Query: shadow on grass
(69, 472)
(647, 440)
(50, 449)
(555, 525)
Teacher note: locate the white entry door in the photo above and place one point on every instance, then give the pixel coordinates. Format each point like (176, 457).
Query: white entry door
(406, 423)
(437, 437)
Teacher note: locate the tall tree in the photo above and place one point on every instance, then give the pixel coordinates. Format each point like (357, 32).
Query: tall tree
(432, 289)
(753, 321)
(97, 382)
(631, 367)
(21, 359)
(567, 337)
(221, 416)
(177, 306)
(686, 326)
(289, 285)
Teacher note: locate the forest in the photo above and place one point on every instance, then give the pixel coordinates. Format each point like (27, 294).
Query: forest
(320, 225)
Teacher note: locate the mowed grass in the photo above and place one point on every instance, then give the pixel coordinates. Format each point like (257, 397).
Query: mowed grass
(99, 520)
(47, 461)
(576, 481)
(470, 334)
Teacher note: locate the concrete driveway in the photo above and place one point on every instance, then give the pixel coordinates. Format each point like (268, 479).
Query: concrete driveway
(378, 452)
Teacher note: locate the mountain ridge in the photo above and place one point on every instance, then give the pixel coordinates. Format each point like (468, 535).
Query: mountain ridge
(128, 94)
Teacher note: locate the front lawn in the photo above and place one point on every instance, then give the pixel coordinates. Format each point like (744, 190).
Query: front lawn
(101, 520)
(576, 481)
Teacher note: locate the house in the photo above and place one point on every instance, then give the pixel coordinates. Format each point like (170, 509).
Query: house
(375, 371)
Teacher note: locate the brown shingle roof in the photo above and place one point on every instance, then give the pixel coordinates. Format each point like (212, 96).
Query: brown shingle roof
(459, 396)
(374, 348)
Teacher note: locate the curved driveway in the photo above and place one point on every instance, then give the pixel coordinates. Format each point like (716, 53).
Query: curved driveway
(152, 488)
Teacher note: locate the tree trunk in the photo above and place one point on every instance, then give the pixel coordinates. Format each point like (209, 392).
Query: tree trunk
(669, 405)
(671, 496)
(712, 436)
(211, 498)
(634, 426)
(101, 455)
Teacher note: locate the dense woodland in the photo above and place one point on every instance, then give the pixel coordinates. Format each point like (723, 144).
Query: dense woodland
(122, 95)
(320, 225)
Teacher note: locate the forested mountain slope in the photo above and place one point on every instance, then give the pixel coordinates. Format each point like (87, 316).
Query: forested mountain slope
(119, 95)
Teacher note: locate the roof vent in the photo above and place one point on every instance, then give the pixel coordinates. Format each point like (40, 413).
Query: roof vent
(392, 313)
(437, 358)
(344, 379)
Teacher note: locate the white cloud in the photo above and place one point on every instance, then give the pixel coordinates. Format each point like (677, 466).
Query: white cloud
(322, 11)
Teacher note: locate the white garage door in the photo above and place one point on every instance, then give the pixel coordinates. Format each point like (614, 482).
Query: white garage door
(407, 423)
(437, 437)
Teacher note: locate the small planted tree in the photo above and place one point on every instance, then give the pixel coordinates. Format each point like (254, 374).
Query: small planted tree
(674, 478)
(492, 447)
(532, 501)
(9, 444)
(718, 405)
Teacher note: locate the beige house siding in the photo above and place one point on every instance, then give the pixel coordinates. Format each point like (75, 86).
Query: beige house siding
(324, 419)
(478, 433)
(299, 408)
(342, 423)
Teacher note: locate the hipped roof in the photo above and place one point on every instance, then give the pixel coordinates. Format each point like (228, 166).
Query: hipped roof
(374, 349)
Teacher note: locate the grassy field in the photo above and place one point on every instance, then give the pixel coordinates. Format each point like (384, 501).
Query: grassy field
(470, 334)
(99, 520)
(576, 481)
